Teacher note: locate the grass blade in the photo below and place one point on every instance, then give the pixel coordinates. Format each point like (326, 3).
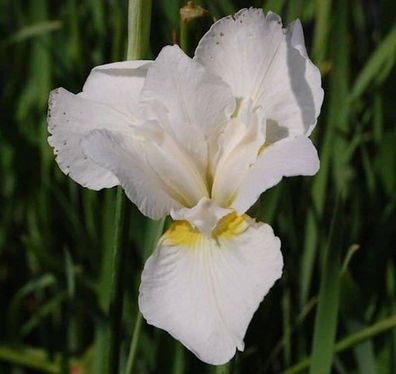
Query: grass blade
(154, 231)
(351, 341)
(32, 358)
(373, 67)
(327, 312)
(37, 29)
(117, 289)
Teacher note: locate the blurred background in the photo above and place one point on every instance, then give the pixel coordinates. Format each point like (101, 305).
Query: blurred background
(335, 306)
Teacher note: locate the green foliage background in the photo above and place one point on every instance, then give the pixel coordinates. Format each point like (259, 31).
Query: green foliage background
(334, 310)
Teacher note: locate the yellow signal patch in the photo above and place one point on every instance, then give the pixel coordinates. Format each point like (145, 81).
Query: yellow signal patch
(182, 233)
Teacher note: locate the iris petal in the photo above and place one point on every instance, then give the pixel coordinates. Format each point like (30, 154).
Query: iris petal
(267, 64)
(109, 101)
(204, 291)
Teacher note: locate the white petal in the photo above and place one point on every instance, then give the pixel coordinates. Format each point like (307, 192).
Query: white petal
(285, 158)
(177, 165)
(176, 169)
(70, 117)
(203, 291)
(263, 62)
(312, 73)
(109, 101)
(117, 84)
(194, 97)
(239, 147)
(197, 102)
(125, 157)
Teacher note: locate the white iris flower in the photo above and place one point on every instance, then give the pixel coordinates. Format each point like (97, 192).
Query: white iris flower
(199, 139)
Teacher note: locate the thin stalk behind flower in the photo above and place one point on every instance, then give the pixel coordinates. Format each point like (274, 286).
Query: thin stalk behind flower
(139, 21)
(139, 15)
(222, 369)
(154, 230)
(117, 284)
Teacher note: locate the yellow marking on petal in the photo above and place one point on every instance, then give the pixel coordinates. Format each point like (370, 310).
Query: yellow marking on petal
(238, 106)
(261, 149)
(181, 233)
(231, 199)
(230, 225)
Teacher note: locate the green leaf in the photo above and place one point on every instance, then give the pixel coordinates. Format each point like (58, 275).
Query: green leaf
(327, 312)
(350, 341)
(33, 358)
(383, 55)
(35, 30)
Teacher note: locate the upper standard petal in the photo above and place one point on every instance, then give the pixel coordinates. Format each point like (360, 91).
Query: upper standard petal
(195, 103)
(194, 97)
(238, 149)
(267, 64)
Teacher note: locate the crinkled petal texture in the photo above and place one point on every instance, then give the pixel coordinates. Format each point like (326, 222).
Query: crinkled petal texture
(267, 64)
(108, 101)
(204, 291)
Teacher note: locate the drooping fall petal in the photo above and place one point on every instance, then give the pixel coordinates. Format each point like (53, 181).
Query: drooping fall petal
(204, 291)
(109, 98)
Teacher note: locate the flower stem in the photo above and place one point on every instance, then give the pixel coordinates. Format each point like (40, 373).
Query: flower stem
(154, 231)
(222, 369)
(117, 285)
(134, 343)
(139, 20)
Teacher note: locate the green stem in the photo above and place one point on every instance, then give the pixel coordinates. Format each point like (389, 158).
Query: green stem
(134, 343)
(222, 369)
(139, 19)
(350, 341)
(323, 11)
(154, 231)
(117, 286)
